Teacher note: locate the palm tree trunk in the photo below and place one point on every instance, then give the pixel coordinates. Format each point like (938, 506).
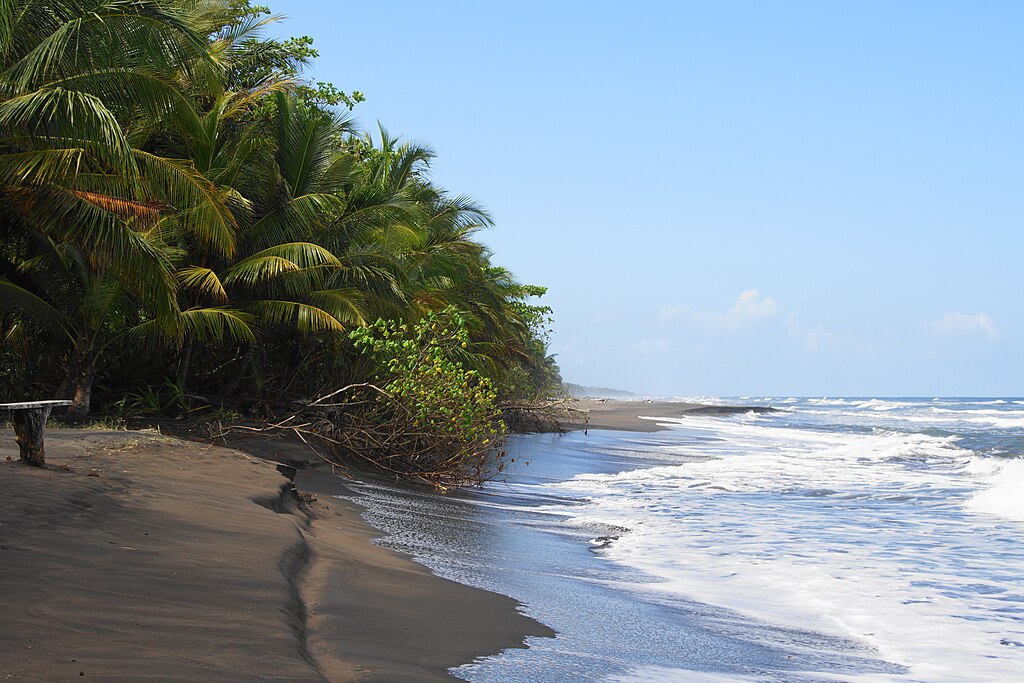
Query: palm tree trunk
(66, 389)
(183, 364)
(86, 373)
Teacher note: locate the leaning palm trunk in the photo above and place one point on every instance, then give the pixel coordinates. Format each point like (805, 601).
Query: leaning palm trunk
(85, 374)
(184, 361)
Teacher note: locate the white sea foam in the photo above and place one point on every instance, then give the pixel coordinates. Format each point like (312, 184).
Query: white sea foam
(952, 417)
(854, 534)
(994, 421)
(662, 674)
(1004, 495)
(826, 401)
(969, 402)
(979, 411)
(881, 404)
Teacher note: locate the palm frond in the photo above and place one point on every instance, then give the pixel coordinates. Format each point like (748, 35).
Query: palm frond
(199, 205)
(41, 166)
(202, 281)
(241, 102)
(217, 324)
(89, 36)
(270, 263)
(140, 215)
(305, 149)
(300, 218)
(303, 317)
(344, 305)
(70, 119)
(156, 94)
(258, 269)
(63, 215)
(33, 307)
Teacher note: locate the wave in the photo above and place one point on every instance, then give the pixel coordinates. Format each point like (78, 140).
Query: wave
(979, 411)
(879, 404)
(856, 534)
(1000, 422)
(826, 401)
(1004, 495)
(665, 674)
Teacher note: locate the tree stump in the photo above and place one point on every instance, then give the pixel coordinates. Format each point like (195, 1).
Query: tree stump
(28, 428)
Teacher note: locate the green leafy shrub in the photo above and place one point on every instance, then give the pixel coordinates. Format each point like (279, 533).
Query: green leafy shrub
(443, 421)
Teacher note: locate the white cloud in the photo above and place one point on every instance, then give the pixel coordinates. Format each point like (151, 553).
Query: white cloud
(673, 311)
(966, 323)
(810, 336)
(608, 317)
(750, 307)
(648, 345)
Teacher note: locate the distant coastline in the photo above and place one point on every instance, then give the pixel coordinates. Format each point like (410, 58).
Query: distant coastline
(583, 391)
(631, 415)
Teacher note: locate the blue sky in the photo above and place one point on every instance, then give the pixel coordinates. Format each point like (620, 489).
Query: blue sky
(726, 198)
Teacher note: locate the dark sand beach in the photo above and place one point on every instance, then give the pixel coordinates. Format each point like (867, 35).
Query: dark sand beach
(135, 555)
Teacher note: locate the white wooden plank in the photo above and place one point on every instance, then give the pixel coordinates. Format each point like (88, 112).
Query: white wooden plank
(33, 404)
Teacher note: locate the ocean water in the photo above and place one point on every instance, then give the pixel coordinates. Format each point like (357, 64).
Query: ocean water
(835, 540)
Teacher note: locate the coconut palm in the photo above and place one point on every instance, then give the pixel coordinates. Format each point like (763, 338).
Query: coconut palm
(303, 258)
(167, 184)
(80, 84)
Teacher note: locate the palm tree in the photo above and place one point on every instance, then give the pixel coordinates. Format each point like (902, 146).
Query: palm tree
(162, 187)
(427, 245)
(302, 259)
(80, 82)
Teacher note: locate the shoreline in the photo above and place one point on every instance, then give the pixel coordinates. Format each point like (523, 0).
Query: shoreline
(199, 559)
(300, 590)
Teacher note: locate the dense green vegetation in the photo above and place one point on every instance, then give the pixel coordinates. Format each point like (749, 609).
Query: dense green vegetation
(186, 222)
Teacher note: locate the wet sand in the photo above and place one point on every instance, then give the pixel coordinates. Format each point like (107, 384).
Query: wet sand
(135, 555)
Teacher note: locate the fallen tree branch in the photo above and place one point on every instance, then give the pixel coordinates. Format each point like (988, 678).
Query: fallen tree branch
(371, 426)
(528, 416)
